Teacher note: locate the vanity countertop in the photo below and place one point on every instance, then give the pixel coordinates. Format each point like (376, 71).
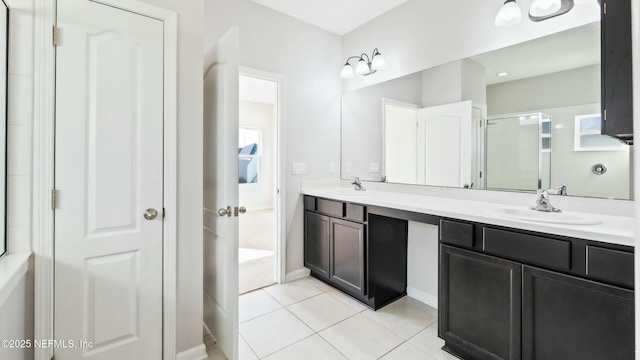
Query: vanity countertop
(612, 229)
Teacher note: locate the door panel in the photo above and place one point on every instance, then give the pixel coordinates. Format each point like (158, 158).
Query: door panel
(447, 131)
(221, 107)
(109, 169)
(347, 255)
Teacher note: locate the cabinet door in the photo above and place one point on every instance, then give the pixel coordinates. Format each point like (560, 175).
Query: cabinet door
(567, 318)
(347, 255)
(616, 69)
(479, 304)
(316, 243)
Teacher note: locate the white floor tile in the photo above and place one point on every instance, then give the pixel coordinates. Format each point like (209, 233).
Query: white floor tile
(293, 292)
(322, 311)
(407, 351)
(215, 353)
(360, 338)
(405, 317)
(274, 331)
(311, 348)
(428, 341)
(348, 300)
(256, 303)
(317, 283)
(244, 351)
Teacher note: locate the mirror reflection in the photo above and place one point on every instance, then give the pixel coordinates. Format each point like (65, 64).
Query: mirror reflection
(518, 118)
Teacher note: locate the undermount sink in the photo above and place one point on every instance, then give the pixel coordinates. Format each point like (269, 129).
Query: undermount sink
(546, 217)
(349, 191)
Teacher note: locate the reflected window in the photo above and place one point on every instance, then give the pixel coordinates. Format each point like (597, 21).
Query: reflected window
(588, 137)
(249, 151)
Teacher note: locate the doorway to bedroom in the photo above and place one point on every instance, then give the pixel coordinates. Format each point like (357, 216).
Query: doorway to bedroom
(257, 182)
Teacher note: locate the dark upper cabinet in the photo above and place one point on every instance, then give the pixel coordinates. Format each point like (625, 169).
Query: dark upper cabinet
(479, 305)
(568, 318)
(316, 243)
(347, 255)
(617, 87)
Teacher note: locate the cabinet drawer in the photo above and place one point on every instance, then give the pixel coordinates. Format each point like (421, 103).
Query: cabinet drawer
(610, 265)
(309, 203)
(355, 212)
(456, 233)
(528, 248)
(330, 207)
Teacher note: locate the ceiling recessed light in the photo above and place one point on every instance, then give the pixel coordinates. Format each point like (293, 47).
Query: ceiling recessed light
(502, 74)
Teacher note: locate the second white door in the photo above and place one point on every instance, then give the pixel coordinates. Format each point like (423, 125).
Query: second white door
(109, 180)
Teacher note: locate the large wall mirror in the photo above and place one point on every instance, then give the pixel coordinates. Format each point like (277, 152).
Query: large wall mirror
(518, 118)
(4, 52)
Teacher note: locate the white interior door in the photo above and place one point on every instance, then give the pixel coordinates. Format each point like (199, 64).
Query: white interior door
(221, 108)
(109, 171)
(447, 144)
(400, 151)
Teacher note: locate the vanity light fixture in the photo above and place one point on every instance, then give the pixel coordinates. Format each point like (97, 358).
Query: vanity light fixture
(366, 65)
(509, 14)
(546, 9)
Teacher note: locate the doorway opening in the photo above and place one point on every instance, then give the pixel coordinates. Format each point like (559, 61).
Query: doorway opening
(258, 163)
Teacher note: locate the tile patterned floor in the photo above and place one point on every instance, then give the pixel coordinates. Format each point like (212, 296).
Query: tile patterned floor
(306, 319)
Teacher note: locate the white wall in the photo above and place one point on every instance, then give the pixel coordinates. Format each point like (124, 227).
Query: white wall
(419, 35)
(190, 76)
(16, 311)
(260, 116)
(422, 263)
(310, 60)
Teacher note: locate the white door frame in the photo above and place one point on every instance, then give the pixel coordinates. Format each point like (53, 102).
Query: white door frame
(44, 166)
(281, 172)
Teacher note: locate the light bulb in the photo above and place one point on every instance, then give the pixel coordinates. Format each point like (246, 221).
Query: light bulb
(362, 67)
(509, 14)
(347, 71)
(378, 62)
(544, 7)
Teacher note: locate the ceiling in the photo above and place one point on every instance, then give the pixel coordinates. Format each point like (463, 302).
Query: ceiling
(336, 16)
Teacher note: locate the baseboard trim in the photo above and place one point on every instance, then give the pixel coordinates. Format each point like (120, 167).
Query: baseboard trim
(422, 296)
(297, 274)
(195, 353)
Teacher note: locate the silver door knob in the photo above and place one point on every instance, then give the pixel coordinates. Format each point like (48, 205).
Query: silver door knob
(150, 214)
(240, 210)
(225, 212)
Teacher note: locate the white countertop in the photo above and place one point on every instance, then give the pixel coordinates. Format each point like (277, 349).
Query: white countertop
(612, 229)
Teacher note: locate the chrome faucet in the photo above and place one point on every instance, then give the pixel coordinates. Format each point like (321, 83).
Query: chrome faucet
(543, 203)
(357, 185)
(561, 190)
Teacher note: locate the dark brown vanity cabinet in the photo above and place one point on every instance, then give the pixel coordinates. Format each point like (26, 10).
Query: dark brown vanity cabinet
(346, 253)
(512, 294)
(479, 304)
(359, 252)
(334, 247)
(566, 318)
(316, 243)
(616, 69)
